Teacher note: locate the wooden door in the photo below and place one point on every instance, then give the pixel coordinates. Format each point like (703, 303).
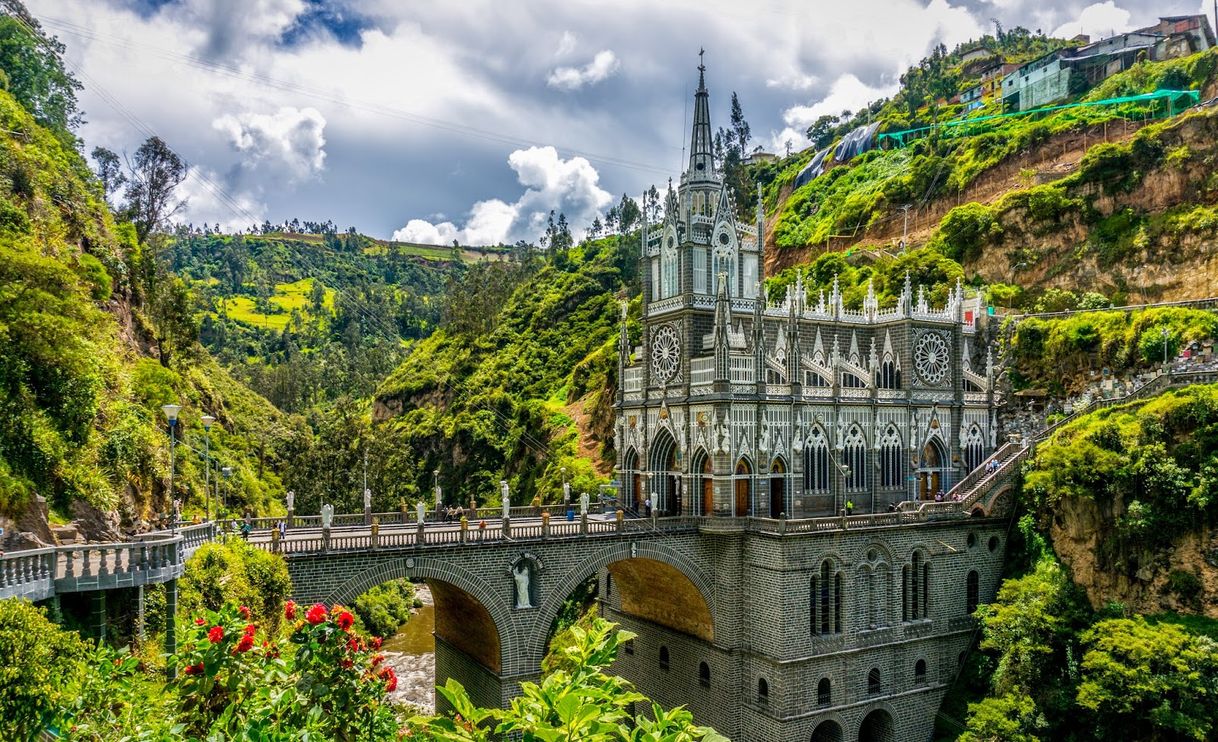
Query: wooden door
(708, 495)
(778, 496)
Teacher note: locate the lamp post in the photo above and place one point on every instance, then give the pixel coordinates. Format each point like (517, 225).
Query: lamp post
(207, 423)
(566, 491)
(1164, 350)
(171, 414)
(435, 490)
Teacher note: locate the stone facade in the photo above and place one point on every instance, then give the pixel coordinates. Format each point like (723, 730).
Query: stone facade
(734, 405)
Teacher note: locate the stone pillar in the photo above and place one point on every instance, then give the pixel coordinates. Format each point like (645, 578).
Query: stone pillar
(275, 546)
(325, 539)
(545, 524)
(621, 520)
(507, 526)
(291, 515)
(368, 515)
(583, 523)
(465, 530)
(97, 615)
(376, 534)
(171, 625)
(140, 622)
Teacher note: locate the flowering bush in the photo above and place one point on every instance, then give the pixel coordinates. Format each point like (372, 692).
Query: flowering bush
(236, 685)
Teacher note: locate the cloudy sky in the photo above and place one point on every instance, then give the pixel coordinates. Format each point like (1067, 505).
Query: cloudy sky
(471, 119)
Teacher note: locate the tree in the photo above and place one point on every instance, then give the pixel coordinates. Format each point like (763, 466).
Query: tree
(822, 131)
(154, 175)
(109, 171)
(1147, 681)
(741, 133)
(628, 213)
(317, 297)
(33, 68)
(36, 658)
(654, 206)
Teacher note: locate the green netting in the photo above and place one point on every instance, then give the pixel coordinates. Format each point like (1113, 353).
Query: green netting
(1157, 104)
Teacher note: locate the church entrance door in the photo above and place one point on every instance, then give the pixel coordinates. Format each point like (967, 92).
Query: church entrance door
(744, 489)
(778, 488)
(930, 472)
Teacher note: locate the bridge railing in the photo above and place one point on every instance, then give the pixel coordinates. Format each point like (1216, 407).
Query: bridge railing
(43, 572)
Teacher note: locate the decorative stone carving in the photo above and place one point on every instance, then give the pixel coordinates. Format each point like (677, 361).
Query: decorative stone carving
(520, 573)
(327, 515)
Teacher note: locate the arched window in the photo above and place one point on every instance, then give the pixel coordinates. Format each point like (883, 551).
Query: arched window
(920, 672)
(891, 464)
(974, 592)
(763, 691)
(826, 599)
(974, 448)
(816, 462)
(855, 457)
(703, 674)
(851, 381)
(663, 658)
(914, 578)
(873, 682)
(668, 270)
(813, 588)
(824, 692)
(890, 375)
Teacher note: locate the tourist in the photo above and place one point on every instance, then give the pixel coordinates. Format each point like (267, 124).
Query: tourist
(647, 507)
(460, 512)
(283, 529)
(892, 507)
(537, 505)
(245, 529)
(939, 496)
(849, 507)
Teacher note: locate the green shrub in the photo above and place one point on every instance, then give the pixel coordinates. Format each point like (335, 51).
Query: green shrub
(235, 572)
(1185, 584)
(964, 232)
(38, 665)
(385, 607)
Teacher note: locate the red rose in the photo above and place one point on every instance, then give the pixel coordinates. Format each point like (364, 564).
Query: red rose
(199, 621)
(289, 610)
(244, 611)
(246, 643)
(215, 634)
(316, 614)
(194, 669)
(344, 620)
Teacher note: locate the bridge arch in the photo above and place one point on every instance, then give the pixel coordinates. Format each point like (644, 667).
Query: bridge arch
(487, 631)
(661, 557)
(878, 724)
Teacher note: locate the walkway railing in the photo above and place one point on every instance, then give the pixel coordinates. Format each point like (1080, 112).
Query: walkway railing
(38, 574)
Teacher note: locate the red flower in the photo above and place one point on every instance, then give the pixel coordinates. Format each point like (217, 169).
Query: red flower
(215, 634)
(377, 659)
(194, 669)
(353, 644)
(244, 611)
(250, 629)
(345, 663)
(344, 620)
(246, 643)
(289, 610)
(316, 614)
(390, 677)
(376, 642)
(199, 621)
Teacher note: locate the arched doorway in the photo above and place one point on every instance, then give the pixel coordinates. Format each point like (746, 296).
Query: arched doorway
(877, 726)
(930, 469)
(664, 480)
(827, 731)
(778, 488)
(704, 469)
(744, 489)
(633, 496)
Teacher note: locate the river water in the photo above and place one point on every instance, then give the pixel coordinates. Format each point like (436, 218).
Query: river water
(411, 652)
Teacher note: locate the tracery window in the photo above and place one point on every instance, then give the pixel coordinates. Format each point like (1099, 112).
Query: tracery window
(855, 458)
(891, 464)
(816, 462)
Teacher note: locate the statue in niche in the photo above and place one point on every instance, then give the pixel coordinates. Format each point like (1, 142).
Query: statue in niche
(725, 440)
(327, 515)
(520, 573)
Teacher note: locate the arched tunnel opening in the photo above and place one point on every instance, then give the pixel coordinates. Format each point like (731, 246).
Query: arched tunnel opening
(468, 646)
(659, 593)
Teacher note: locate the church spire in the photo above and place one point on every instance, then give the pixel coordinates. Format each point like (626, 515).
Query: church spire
(701, 156)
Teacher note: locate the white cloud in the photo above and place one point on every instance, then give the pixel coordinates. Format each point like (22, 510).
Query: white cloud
(600, 68)
(291, 139)
(566, 44)
(570, 186)
(1098, 21)
(848, 93)
(209, 200)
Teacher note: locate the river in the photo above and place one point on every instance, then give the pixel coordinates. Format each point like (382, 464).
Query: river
(411, 652)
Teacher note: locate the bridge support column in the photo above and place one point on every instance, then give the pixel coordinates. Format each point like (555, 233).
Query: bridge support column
(97, 615)
(140, 622)
(507, 526)
(291, 516)
(367, 515)
(583, 523)
(325, 539)
(171, 625)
